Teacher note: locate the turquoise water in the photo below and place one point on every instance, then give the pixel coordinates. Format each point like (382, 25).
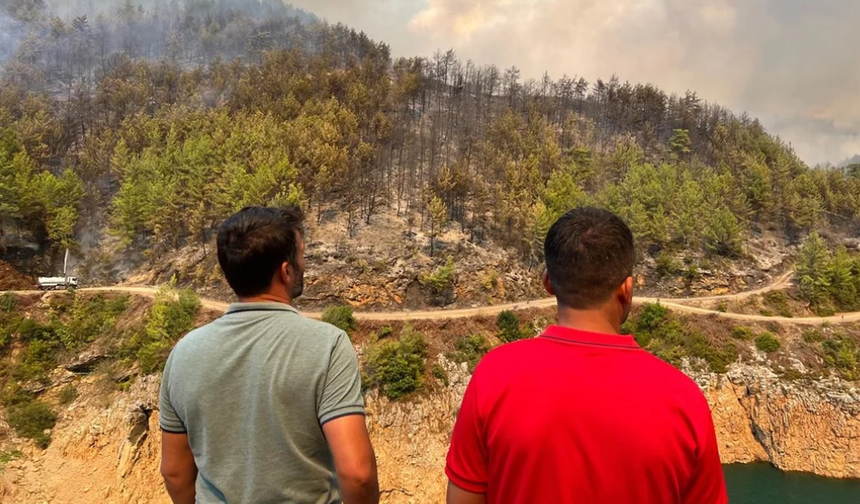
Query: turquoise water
(762, 484)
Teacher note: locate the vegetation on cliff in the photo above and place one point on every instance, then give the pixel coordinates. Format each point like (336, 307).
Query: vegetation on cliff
(80, 333)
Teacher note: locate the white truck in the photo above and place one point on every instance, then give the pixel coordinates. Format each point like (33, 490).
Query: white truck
(58, 283)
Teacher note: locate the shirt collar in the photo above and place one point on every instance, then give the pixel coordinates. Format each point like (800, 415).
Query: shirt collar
(240, 307)
(556, 332)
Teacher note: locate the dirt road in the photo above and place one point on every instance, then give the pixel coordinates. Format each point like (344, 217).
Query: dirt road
(675, 304)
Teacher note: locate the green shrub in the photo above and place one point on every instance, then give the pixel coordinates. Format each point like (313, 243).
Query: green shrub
(13, 394)
(652, 317)
(722, 307)
(340, 317)
(841, 352)
(508, 323)
(88, 319)
(791, 375)
(30, 330)
(397, 367)
(666, 265)
(67, 394)
(627, 327)
(9, 456)
(172, 315)
(767, 342)
(650, 322)
(470, 349)
(31, 419)
(38, 360)
(440, 374)
(813, 336)
(366, 382)
(61, 303)
(40, 354)
(664, 335)
(385, 332)
(742, 333)
(691, 274)
(441, 278)
(8, 302)
(671, 354)
(9, 323)
(490, 280)
(718, 359)
(778, 301)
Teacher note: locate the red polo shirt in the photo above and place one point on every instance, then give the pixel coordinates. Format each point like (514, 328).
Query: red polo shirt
(580, 418)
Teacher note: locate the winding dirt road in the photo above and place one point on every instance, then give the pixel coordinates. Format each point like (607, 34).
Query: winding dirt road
(675, 304)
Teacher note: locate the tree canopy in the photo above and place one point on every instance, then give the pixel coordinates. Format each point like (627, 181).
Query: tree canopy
(161, 119)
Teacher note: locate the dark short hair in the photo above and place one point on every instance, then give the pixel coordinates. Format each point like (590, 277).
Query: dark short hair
(589, 254)
(254, 243)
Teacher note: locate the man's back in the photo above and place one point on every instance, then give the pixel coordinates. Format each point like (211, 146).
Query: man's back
(576, 417)
(251, 390)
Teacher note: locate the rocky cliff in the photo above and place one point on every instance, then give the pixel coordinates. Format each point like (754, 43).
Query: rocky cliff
(109, 452)
(796, 426)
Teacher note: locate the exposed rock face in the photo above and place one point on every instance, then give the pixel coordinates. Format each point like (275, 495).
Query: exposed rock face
(107, 453)
(796, 426)
(85, 362)
(110, 453)
(411, 440)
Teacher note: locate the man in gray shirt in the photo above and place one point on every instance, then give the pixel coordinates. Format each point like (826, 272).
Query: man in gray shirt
(263, 405)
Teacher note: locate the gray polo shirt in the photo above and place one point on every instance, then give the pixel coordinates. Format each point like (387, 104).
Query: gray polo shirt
(252, 390)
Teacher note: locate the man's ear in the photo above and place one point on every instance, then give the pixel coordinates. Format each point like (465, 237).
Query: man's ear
(547, 284)
(625, 298)
(625, 292)
(285, 273)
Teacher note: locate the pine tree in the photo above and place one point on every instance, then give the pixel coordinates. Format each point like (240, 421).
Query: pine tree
(563, 194)
(689, 211)
(722, 232)
(813, 271)
(807, 212)
(438, 217)
(680, 144)
(540, 220)
(843, 284)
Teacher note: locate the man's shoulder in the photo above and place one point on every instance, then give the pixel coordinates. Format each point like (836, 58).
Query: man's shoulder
(195, 336)
(288, 322)
(502, 356)
(505, 356)
(671, 379)
(308, 325)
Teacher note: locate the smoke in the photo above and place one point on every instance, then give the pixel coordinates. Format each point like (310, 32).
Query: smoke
(11, 32)
(790, 62)
(22, 18)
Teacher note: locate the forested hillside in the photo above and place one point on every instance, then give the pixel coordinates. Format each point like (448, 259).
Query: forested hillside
(151, 122)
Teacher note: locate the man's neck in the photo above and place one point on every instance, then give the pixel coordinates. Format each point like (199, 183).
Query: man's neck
(593, 321)
(267, 298)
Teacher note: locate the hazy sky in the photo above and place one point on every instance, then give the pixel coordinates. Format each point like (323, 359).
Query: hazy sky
(792, 63)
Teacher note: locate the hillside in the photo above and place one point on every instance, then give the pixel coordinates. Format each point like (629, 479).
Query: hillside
(129, 133)
(80, 377)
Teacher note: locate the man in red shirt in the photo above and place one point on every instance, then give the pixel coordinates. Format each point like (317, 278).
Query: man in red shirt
(581, 414)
